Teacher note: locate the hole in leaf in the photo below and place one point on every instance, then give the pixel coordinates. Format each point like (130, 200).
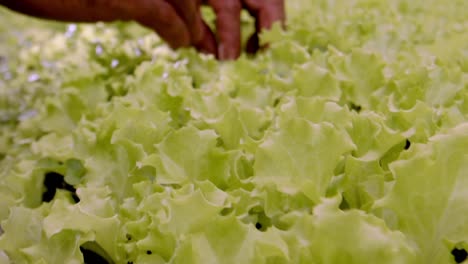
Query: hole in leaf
(51, 182)
(129, 237)
(148, 252)
(93, 253)
(260, 220)
(344, 205)
(75, 197)
(258, 226)
(407, 144)
(355, 107)
(459, 255)
(54, 181)
(91, 257)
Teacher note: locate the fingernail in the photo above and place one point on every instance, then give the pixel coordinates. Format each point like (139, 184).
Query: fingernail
(225, 53)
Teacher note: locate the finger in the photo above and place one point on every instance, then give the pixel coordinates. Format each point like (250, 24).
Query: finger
(228, 27)
(266, 12)
(208, 43)
(164, 19)
(270, 13)
(189, 11)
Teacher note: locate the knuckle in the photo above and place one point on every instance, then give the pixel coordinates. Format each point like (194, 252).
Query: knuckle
(226, 5)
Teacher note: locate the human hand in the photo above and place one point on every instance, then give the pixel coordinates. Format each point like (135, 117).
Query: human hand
(265, 12)
(179, 22)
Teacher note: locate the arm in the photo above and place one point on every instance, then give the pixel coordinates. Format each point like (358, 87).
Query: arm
(71, 10)
(179, 22)
(159, 15)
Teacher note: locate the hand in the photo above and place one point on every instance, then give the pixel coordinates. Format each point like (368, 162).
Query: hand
(265, 12)
(179, 22)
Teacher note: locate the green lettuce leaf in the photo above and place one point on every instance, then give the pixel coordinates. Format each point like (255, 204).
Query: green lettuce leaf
(428, 198)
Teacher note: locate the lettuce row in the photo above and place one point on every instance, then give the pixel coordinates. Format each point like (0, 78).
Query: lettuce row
(344, 142)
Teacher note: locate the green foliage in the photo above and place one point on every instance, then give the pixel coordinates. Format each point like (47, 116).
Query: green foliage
(345, 142)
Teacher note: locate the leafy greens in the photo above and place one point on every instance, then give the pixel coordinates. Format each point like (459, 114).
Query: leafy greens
(345, 142)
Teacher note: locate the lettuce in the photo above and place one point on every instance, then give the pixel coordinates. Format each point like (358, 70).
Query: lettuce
(428, 195)
(344, 142)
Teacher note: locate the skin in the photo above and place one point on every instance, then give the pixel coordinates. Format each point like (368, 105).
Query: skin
(178, 22)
